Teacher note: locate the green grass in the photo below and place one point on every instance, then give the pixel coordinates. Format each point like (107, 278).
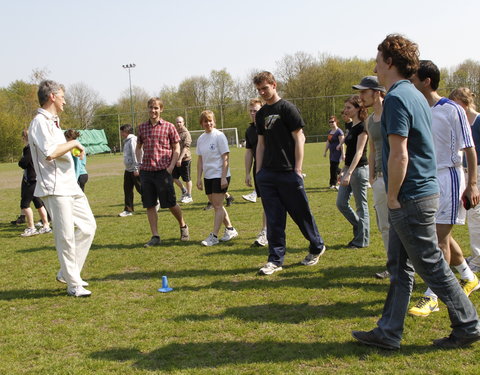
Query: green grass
(221, 317)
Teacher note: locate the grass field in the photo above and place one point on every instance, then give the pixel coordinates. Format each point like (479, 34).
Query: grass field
(221, 318)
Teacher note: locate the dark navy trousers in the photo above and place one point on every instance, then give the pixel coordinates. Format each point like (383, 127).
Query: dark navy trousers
(284, 192)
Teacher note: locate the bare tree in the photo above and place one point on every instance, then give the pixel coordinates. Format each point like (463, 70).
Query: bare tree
(82, 103)
(221, 90)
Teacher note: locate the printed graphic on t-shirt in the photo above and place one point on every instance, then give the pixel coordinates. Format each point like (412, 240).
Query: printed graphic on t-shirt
(270, 120)
(212, 146)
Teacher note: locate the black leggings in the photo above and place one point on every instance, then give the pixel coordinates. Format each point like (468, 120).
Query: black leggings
(334, 172)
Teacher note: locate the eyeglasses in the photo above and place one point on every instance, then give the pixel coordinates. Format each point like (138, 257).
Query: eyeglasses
(331, 122)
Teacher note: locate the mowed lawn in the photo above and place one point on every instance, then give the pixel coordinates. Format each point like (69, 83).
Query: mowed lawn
(221, 318)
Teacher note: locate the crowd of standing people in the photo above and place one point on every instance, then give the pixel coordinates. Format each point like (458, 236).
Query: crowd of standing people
(421, 163)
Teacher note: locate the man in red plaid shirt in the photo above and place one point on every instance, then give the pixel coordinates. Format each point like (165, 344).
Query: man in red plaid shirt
(159, 140)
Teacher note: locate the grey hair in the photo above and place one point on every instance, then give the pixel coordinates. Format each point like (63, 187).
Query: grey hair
(47, 87)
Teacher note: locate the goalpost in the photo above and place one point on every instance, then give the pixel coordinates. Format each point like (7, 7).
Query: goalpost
(230, 133)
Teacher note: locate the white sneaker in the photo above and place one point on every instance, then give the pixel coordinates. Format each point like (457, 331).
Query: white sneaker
(269, 268)
(261, 239)
(28, 232)
(252, 197)
(125, 213)
(39, 224)
(312, 259)
(210, 240)
(229, 234)
(45, 230)
(78, 291)
(187, 199)
(60, 279)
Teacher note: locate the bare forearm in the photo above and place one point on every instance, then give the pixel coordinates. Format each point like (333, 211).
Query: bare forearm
(63, 148)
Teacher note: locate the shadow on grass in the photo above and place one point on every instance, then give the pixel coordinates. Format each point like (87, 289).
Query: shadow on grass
(292, 313)
(214, 354)
(9, 295)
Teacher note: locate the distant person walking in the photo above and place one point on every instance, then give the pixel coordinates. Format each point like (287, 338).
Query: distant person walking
(334, 139)
(131, 175)
(183, 165)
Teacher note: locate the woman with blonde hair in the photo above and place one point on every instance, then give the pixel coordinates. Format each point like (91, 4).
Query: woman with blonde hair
(465, 98)
(354, 176)
(213, 153)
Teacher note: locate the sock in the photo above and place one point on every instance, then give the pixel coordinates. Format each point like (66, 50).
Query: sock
(429, 293)
(465, 271)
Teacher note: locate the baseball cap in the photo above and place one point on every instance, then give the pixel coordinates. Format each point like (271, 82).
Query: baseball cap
(369, 82)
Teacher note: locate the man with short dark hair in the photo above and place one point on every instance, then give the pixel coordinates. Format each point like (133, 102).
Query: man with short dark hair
(412, 195)
(131, 176)
(279, 158)
(159, 141)
(183, 165)
(371, 95)
(73, 222)
(451, 137)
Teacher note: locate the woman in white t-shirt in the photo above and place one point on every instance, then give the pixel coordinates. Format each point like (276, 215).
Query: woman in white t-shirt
(213, 151)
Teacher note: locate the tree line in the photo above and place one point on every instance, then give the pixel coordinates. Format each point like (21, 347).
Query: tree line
(318, 85)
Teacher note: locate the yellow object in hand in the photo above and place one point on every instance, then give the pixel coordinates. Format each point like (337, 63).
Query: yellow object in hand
(76, 152)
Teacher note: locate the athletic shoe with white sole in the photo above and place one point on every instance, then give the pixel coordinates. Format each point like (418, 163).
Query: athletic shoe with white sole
(470, 286)
(210, 240)
(184, 233)
(78, 291)
(187, 199)
(252, 197)
(28, 232)
(229, 234)
(269, 268)
(125, 213)
(45, 230)
(312, 259)
(261, 239)
(154, 241)
(424, 307)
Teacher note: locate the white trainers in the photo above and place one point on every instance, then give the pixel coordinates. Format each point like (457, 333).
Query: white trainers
(269, 268)
(78, 291)
(60, 279)
(261, 239)
(39, 224)
(45, 230)
(312, 259)
(187, 199)
(125, 213)
(229, 234)
(28, 232)
(252, 197)
(210, 240)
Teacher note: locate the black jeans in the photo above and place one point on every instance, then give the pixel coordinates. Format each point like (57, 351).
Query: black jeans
(129, 182)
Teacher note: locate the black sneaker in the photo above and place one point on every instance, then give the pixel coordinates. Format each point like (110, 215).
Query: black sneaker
(369, 338)
(229, 200)
(452, 342)
(154, 241)
(20, 220)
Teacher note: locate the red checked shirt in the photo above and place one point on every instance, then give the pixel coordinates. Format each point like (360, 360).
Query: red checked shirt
(157, 141)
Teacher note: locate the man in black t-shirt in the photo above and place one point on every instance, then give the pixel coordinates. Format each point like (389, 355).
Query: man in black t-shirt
(279, 158)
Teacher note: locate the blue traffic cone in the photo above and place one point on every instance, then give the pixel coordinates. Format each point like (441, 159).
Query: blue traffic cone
(165, 288)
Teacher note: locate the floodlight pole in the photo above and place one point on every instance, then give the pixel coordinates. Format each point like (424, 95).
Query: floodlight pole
(129, 67)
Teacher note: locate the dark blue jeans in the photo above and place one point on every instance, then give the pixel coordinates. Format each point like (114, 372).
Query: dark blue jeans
(413, 247)
(284, 192)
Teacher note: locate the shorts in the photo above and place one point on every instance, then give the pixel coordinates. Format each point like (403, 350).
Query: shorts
(27, 197)
(157, 186)
(452, 185)
(212, 186)
(183, 171)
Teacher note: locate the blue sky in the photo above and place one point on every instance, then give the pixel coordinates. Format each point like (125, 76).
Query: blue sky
(88, 41)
